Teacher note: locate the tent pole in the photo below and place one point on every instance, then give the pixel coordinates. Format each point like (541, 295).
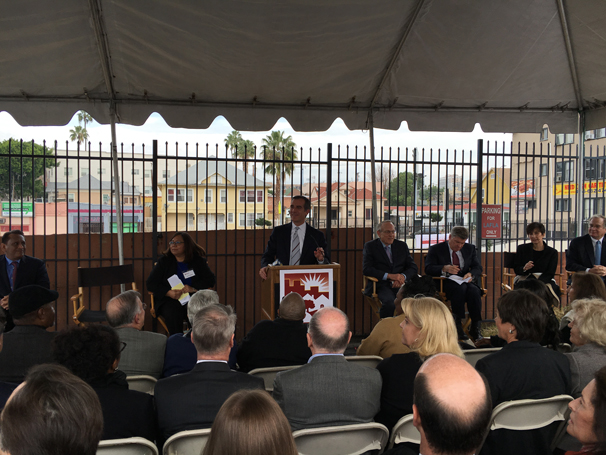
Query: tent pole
(118, 189)
(371, 134)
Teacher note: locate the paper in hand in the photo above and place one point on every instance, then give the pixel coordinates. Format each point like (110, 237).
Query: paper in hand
(176, 284)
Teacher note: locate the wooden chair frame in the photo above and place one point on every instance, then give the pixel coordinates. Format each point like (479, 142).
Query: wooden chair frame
(372, 300)
(152, 311)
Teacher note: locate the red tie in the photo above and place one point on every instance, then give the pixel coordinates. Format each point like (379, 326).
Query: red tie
(455, 259)
(14, 275)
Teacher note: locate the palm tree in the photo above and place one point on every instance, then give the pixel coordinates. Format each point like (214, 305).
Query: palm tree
(84, 117)
(246, 150)
(79, 134)
(232, 142)
(280, 151)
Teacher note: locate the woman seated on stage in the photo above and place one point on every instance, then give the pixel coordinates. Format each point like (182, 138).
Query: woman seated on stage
(187, 261)
(537, 258)
(587, 421)
(428, 328)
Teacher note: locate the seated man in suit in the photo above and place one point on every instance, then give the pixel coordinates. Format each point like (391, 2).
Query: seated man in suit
(144, 351)
(29, 343)
(190, 401)
(328, 390)
(277, 343)
(18, 270)
(389, 261)
(456, 257)
(307, 247)
(452, 406)
(587, 253)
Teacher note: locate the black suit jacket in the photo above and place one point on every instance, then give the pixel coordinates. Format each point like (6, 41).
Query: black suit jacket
(190, 401)
(376, 263)
(439, 255)
(545, 262)
(31, 270)
(24, 347)
(278, 246)
(523, 370)
(581, 255)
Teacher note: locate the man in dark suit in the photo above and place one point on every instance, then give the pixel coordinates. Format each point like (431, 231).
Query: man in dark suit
(307, 247)
(17, 270)
(581, 256)
(191, 400)
(457, 258)
(144, 351)
(277, 343)
(328, 390)
(29, 343)
(6, 388)
(389, 261)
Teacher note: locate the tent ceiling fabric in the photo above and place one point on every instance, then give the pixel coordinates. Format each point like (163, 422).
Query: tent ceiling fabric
(440, 65)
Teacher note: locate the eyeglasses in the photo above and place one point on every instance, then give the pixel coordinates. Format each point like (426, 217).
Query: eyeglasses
(144, 305)
(123, 346)
(174, 242)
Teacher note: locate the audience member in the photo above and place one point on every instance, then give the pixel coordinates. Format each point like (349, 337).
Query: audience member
(386, 337)
(250, 423)
(93, 353)
(452, 407)
(389, 261)
(537, 258)
(181, 355)
(587, 421)
(277, 343)
(6, 388)
(456, 258)
(328, 390)
(427, 329)
(523, 369)
(18, 270)
(187, 260)
(190, 401)
(29, 343)
(583, 285)
(144, 351)
(53, 412)
(581, 253)
(551, 337)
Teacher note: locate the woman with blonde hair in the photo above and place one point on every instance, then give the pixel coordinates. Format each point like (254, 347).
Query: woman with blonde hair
(428, 328)
(250, 422)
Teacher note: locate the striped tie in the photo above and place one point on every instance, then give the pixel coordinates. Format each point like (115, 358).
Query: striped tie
(295, 252)
(598, 253)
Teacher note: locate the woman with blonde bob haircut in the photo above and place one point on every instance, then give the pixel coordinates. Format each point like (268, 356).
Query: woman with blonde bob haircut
(428, 328)
(250, 422)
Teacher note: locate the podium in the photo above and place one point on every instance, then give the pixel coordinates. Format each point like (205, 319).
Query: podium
(319, 285)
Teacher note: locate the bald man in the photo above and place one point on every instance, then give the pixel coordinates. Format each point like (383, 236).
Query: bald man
(452, 406)
(328, 390)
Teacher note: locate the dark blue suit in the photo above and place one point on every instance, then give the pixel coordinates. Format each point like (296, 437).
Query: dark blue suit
(278, 246)
(376, 264)
(581, 255)
(437, 257)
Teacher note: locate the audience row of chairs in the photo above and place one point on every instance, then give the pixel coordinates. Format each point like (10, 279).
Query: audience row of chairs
(355, 439)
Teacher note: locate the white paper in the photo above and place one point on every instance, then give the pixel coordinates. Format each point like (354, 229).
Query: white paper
(176, 283)
(458, 279)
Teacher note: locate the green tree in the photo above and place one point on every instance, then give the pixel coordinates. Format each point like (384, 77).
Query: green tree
(79, 134)
(278, 152)
(432, 194)
(401, 190)
(232, 141)
(246, 150)
(84, 117)
(435, 217)
(21, 172)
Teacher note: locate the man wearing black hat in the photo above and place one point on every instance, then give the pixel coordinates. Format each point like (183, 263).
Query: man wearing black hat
(29, 343)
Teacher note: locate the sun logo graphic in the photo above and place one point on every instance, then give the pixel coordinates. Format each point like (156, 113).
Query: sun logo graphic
(314, 286)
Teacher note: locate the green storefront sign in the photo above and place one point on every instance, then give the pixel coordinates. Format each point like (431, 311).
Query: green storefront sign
(18, 209)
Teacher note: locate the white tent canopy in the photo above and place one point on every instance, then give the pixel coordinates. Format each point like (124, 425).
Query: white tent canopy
(442, 65)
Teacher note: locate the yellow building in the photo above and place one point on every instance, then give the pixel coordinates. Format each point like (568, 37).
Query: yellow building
(213, 195)
(497, 187)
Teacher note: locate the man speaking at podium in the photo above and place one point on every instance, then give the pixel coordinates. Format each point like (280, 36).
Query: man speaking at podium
(295, 243)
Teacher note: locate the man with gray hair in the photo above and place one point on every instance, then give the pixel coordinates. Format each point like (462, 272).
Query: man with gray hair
(277, 343)
(328, 390)
(458, 259)
(587, 253)
(191, 400)
(143, 351)
(181, 353)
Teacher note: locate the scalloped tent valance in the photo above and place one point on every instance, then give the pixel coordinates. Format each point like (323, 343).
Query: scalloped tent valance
(441, 65)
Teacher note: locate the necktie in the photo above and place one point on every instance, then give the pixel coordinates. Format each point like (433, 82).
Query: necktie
(598, 253)
(295, 253)
(14, 274)
(455, 259)
(388, 251)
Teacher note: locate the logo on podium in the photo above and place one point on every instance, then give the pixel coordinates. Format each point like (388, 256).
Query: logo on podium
(316, 288)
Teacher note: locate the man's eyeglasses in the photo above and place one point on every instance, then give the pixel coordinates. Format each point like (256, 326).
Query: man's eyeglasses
(174, 242)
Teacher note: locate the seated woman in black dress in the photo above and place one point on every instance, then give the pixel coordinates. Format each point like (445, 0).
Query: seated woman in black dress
(428, 328)
(537, 258)
(92, 353)
(187, 260)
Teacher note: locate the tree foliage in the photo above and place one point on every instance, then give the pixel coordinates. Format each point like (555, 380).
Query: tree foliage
(401, 190)
(79, 133)
(240, 148)
(21, 172)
